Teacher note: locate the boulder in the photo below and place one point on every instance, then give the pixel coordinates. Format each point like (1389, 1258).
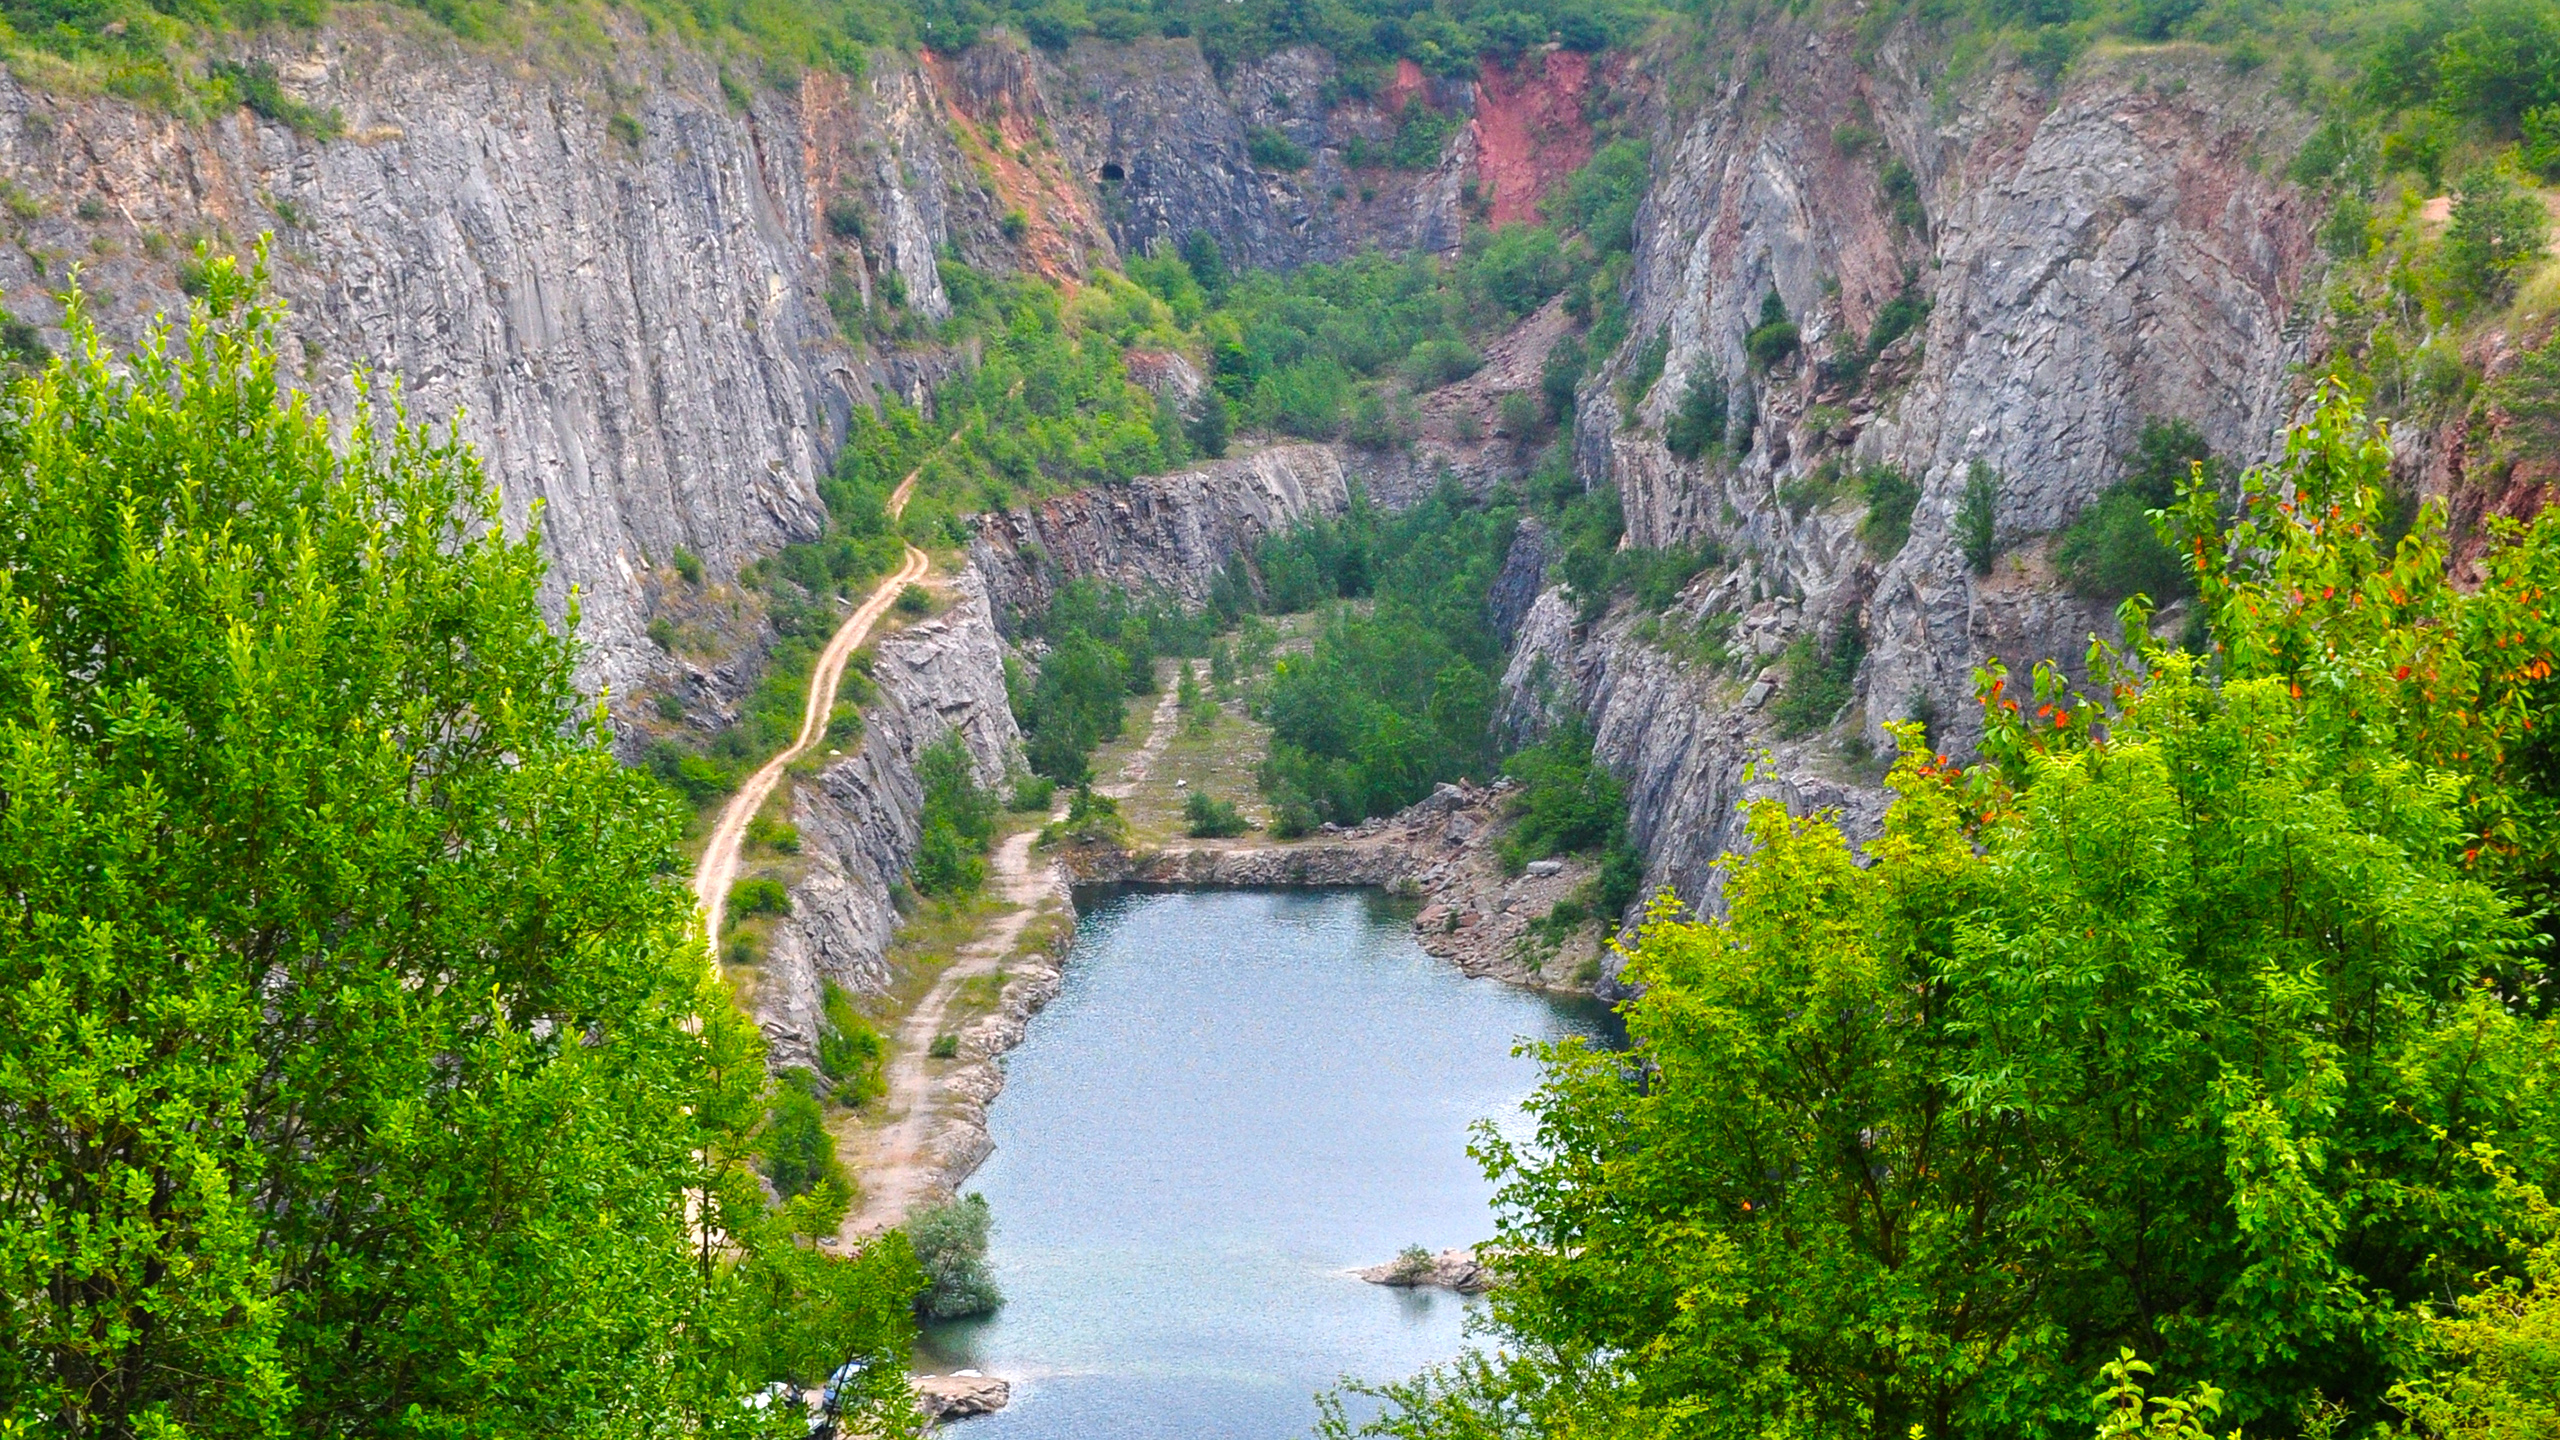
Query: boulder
(956, 1397)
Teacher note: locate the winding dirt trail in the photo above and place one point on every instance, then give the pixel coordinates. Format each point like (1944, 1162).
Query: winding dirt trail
(897, 1165)
(718, 869)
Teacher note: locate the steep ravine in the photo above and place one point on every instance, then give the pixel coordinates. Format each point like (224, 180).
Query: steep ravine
(636, 335)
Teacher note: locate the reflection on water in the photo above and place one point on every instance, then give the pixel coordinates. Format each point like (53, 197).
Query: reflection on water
(1238, 1097)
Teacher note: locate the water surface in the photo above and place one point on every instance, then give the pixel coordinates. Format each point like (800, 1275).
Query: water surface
(1238, 1097)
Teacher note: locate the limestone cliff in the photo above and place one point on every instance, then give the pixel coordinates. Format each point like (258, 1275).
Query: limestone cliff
(2119, 250)
(858, 814)
(1170, 533)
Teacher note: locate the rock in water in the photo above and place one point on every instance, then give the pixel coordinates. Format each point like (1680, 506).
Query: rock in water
(956, 1397)
(1455, 1268)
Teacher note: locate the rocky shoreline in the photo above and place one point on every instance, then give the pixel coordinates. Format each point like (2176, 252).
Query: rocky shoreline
(1440, 851)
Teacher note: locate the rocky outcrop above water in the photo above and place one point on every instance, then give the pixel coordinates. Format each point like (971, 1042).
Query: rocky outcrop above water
(957, 1397)
(1442, 852)
(1166, 533)
(1456, 1268)
(858, 814)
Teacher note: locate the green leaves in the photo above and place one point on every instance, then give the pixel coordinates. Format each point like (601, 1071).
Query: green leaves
(2194, 1024)
(359, 1069)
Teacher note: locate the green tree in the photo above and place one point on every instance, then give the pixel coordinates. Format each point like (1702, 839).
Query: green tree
(2496, 230)
(361, 1074)
(2192, 1022)
(958, 821)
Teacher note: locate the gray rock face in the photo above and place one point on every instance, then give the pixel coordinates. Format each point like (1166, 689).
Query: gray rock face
(1171, 533)
(1164, 144)
(858, 816)
(2121, 251)
(634, 336)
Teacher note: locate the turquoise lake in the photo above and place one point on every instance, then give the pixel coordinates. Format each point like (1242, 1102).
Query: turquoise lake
(1238, 1098)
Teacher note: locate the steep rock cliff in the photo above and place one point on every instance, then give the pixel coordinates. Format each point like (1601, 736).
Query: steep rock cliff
(1170, 533)
(858, 815)
(2117, 251)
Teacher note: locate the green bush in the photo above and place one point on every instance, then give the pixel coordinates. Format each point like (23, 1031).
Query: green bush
(1642, 372)
(1817, 683)
(1699, 424)
(1978, 517)
(799, 1155)
(1208, 819)
(945, 1046)
(1272, 149)
(2497, 229)
(1032, 793)
(850, 1050)
(950, 1242)
(759, 895)
(1891, 497)
(2113, 550)
(1774, 338)
(1567, 803)
(957, 824)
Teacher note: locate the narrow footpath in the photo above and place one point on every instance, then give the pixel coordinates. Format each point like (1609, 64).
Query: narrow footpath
(718, 869)
(899, 1166)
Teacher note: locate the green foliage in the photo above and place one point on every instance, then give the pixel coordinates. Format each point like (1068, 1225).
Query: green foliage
(1092, 819)
(799, 1154)
(1817, 682)
(688, 565)
(1393, 701)
(363, 1073)
(950, 1242)
(850, 1050)
(1774, 338)
(1207, 819)
(1050, 403)
(2528, 397)
(958, 822)
(779, 836)
(1032, 793)
(1567, 803)
(2113, 550)
(945, 1046)
(1977, 516)
(254, 85)
(759, 895)
(22, 346)
(1699, 424)
(2199, 1018)
(2496, 230)
(1272, 149)
(1891, 496)
(1100, 649)
(914, 600)
(1643, 370)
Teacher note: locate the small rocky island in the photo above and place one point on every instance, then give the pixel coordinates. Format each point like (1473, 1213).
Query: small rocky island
(1455, 1268)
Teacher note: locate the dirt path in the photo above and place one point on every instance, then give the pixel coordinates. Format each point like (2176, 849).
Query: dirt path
(897, 1165)
(1142, 761)
(719, 865)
